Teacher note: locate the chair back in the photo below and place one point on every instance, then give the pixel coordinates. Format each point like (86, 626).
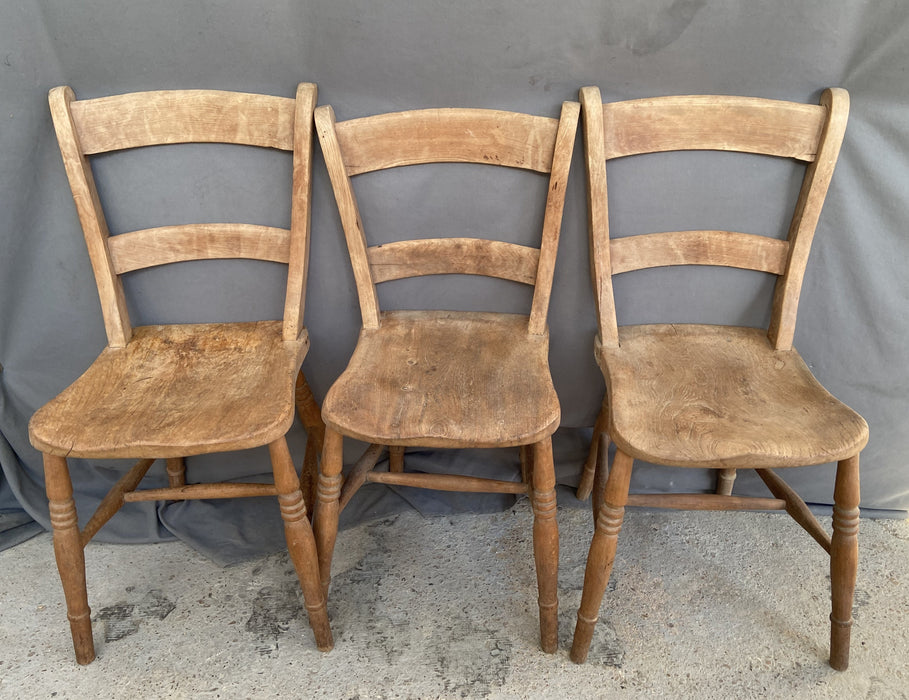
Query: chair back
(481, 136)
(89, 127)
(809, 133)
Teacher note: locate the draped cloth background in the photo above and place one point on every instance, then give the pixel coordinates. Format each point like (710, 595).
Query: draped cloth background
(509, 54)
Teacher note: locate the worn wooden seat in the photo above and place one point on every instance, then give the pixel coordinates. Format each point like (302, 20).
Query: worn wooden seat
(719, 397)
(170, 391)
(165, 393)
(416, 380)
(444, 378)
(706, 396)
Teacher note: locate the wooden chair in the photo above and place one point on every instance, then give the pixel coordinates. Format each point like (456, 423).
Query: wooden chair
(719, 397)
(171, 391)
(448, 379)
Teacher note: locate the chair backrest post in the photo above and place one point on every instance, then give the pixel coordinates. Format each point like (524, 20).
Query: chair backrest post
(91, 216)
(300, 215)
(552, 219)
(598, 216)
(805, 218)
(350, 215)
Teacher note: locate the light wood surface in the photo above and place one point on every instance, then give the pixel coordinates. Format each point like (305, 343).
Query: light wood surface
(167, 244)
(465, 256)
(171, 391)
(448, 378)
(485, 136)
(349, 211)
(719, 397)
(712, 122)
(136, 119)
(91, 216)
(805, 217)
(192, 491)
(446, 482)
(727, 248)
(552, 217)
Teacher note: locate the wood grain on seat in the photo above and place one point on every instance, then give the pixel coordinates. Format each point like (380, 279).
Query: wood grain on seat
(704, 396)
(446, 379)
(177, 390)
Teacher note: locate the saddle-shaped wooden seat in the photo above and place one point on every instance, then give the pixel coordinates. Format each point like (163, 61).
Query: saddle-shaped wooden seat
(702, 396)
(416, 380)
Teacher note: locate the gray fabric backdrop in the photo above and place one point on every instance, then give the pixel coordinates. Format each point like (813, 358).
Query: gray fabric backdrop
(523, 55)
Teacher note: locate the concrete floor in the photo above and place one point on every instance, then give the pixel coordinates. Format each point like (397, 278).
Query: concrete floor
(712, 605)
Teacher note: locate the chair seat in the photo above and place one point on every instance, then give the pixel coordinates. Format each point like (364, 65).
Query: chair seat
(446, 379)
(721, 396)
(175, 391)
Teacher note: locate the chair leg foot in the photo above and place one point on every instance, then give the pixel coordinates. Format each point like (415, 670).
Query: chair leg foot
(602, 554)
(546, 544)
(70, 555)
(843, 559)
(301, 543)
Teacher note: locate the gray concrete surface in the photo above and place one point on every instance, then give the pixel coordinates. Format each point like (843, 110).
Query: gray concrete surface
(708, 605)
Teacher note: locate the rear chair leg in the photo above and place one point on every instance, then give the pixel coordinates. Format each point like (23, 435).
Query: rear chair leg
(725, 478)
(843, 559)
(596, 453)
(602, 554)
(176, 471)
(395, 458)
(300, 541)
(526, 452)
(546, 543)
(311, 417)
(70, 554)
(600, 475)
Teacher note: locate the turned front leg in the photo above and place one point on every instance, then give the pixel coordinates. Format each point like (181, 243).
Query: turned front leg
(602, 553)
(325, 521)
(300, 541)
(843, 559)
(69, 554)
(546, 543)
